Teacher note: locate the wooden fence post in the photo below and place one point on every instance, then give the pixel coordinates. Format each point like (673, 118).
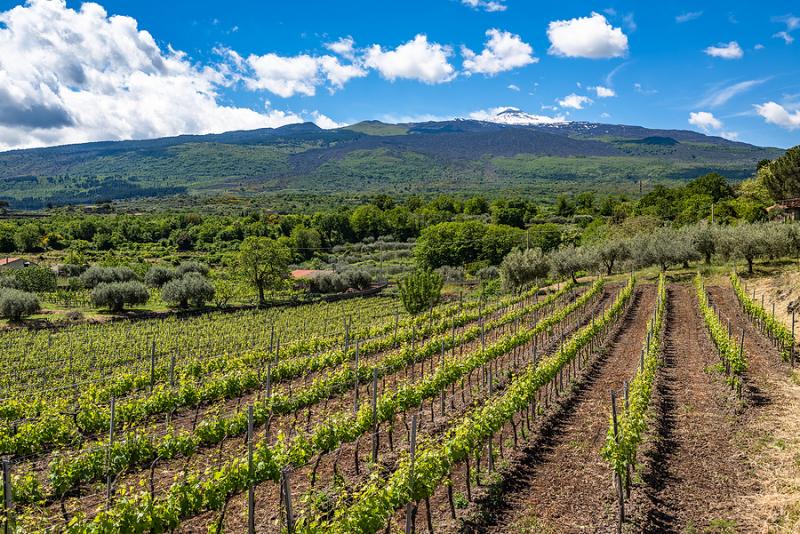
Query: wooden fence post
(109, 477)
(617, 478)
(251, 490)
(411, 509)
(375, 415)
(8, 499)
(286, 491)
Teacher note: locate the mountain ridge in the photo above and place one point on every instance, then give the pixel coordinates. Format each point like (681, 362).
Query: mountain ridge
(451, 155)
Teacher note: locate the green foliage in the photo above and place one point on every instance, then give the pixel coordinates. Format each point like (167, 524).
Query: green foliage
(457, 243)
(782, 176)
(523, 267)
(264, 263)
(115, 295)
(35, 279)
(772, 325)
(192, 288)
(420, 291)
(158, 275)
(95, 275)
(16, 304)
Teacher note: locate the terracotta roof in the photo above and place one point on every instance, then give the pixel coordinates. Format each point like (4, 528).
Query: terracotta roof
(6, 261)
(304, 274)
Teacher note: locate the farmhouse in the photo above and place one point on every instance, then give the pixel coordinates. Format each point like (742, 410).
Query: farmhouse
(785, 210)
(9, 263)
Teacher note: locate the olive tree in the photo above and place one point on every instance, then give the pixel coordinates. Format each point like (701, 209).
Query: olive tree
(16, 304)
(746, 241)
(95, 275)
(704, 240)
(522, 267)
(611, 252)
(158, 275)
(567, 261)
(115, 295)
(192, 288)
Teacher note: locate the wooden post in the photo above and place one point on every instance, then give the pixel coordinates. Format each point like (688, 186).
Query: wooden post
(617, 478)
(411, 509)
(287, 500)
(355, 388)
(375, 415)
(152, 366)
(109, 477)
(172, 371)
(8, 499)
(251, 490)
(791, 352)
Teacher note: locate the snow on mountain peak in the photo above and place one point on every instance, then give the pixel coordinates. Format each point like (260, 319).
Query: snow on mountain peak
(515, 116)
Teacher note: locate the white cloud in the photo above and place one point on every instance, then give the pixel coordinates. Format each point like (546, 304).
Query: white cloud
(688, 16)
(720, 96)
(416, 60)
(605, 115)
(503, 51)
(287, 76)
(513, 87)
(486, 5)
(758, 46)
(730, 50)
(344, 46)
(774, 113)
(575, 101)
(786, 36)
(69, 76)
(590, 37)
(704, 120)
(604, 92)
(730, 136)
(324, 122)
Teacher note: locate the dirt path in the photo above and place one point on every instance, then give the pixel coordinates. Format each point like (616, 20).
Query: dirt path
(695, 469)
(562, 484)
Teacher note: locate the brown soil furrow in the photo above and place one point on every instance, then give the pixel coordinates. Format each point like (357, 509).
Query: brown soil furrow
(561, 484)
(693, 468)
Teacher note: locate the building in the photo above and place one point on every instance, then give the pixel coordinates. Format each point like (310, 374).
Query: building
(785, 210)
(9, 263)
(307, 274)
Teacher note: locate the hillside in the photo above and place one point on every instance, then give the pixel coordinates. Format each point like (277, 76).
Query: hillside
(517, 152)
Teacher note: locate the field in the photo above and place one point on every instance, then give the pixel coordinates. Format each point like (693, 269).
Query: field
(307, 416)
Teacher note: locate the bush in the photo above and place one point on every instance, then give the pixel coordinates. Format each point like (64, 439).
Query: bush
(115, 295)
(16, 304)
(420, 291)
(191, 267)
(192, 288)
(358, 279)
(95, 275)
(158, 275)
(36, 279)
(71, 269)
(9, 282)
(523, 267)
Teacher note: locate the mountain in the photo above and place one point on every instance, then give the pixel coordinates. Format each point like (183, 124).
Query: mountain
(511, 150)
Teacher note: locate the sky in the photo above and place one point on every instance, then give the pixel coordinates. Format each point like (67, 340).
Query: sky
(74, 72)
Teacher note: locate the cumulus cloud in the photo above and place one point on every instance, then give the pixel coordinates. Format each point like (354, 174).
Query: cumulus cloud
(503, 51)
(344, 46)
(70, 76)
(575, 101)
(486, 5)
(415, 60)
(604, 92)
(786, 36)
(730, 50)
(775, 113)
(688, 16)
(325, 122)
(704, 120)
(589, 37)
(291, 75)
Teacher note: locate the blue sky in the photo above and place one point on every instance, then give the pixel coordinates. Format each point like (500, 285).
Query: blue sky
(71, 72)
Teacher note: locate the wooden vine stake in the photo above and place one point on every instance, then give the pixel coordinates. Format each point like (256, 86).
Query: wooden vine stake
(411, 508)
(251, 490)
(109, 478)
(617, 478)
(286, 498)
(375, 415)
(8, 500)
(791, 351)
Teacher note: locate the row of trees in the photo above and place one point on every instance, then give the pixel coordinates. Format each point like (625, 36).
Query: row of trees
(664, 247)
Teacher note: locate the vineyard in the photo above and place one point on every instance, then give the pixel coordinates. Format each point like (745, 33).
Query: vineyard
(548, 409)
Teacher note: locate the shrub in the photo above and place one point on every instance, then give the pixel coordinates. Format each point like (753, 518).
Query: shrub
(159, 275)
(96, 275)
(522, 267)
(358, 279)
(36, 279)
(71, 269)
(115, 295)
(16, 304)
(420, 291)
(191, 267)
(191, 288)
(9, 282)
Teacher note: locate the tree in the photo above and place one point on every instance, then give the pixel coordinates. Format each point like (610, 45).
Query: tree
(420, 291)
(28, 238)
(704, 240)
(191, 288)
(663, 247)
(611, 252)
(36, 279)
(306, 241)
(564, 206)
(264, 263)
(746, 241)
(158, 275)
(476, 205)
(16, 304)
(782, 176)
(522, 267)
(367, 220)
(115, 295)
(95, 275)
(191, 267)
(567, 261)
